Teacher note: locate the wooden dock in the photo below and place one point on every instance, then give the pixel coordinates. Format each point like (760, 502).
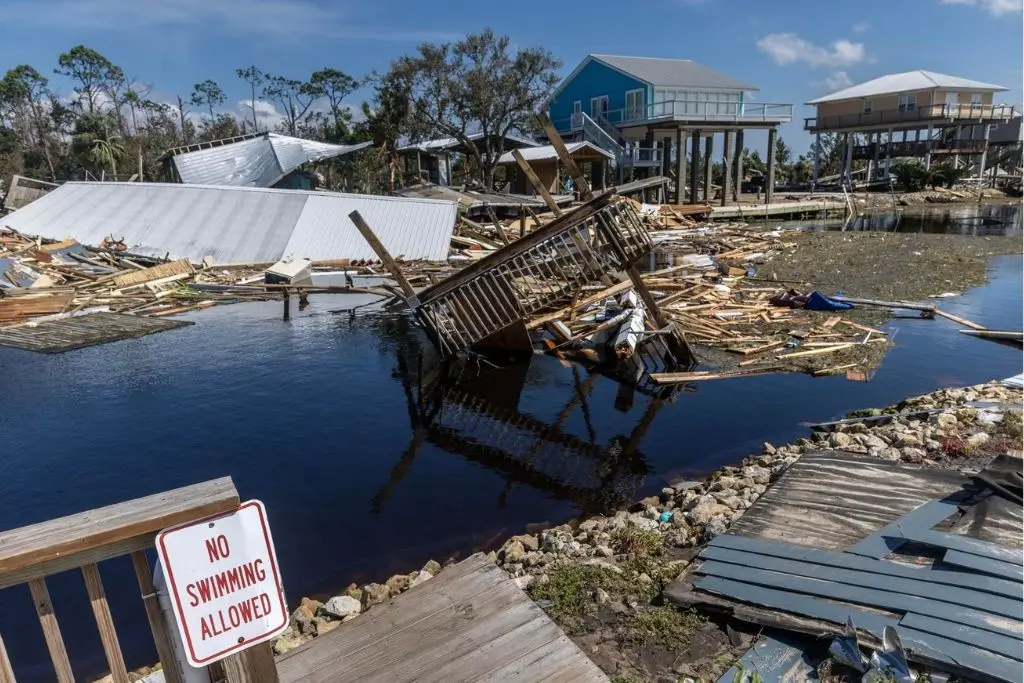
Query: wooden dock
(470, 623)
(777, 210)
(76, 332)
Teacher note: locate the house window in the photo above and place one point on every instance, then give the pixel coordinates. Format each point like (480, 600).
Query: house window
(577, 107)
(908, 102)
(868, 105)
(634, 105)
(599, 106)
(975, 98)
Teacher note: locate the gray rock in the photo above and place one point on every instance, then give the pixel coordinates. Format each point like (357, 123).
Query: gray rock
(421, 577)
(716, 526)
(839, 439)
(873, 441)
(724, 483)
(854, 448)
(932, 445)
(768, 448)
(553, 544)
(733, 503)
(601, 596)
(529, 541)
(524, 581)
(703, 512)
(908, 440)
(514, 552)
(602, 563)
(911, 454)
(432, 567)
(978, 440)
(893, 454)
(341, 606)
(374, 594)
(603, 551)
(989, 417)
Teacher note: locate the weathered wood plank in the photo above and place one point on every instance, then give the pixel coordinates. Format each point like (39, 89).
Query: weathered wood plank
(137, 277)
(993, 604)
(983, 564)
(865, 596)
(254, 665)
(57, 545)
(986, 640)
(469, 623)
(51, 631)
(834, 500)
(926, 516)
(6, 670)
(105, 623)
(938, 574)
(157, 625)
(68, 334)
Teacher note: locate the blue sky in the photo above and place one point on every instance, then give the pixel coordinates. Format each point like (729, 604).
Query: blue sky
(792, 50)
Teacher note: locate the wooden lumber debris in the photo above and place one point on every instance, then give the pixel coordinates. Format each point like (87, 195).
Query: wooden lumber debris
(164, 270)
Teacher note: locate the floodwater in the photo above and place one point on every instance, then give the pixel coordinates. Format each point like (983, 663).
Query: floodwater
(369, 467)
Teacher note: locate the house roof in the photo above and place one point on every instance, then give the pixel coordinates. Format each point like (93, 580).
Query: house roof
(443, 144)
(907, 81)
(258, 161)
(547, 152)
(672, 72)
(235, 224)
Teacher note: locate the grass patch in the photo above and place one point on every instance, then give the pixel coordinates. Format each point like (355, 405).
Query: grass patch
(568, 593)
(632, 541)
(664, 625)
(1012, 424)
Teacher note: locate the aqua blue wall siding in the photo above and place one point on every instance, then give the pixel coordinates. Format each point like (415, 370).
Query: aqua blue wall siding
(594, 80)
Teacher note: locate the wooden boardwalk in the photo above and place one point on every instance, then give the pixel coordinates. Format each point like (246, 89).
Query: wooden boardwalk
(470, 623)
(76, 332)
(776, 209)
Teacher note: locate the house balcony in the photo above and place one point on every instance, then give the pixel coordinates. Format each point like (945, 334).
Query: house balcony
(691, 113)
(918, 148)
(910, 118)
(640, 157)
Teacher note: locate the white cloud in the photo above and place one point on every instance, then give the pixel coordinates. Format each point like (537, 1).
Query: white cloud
(789, 48)
(837, 81)
(861, 27)
(281, 18)
(994, 7)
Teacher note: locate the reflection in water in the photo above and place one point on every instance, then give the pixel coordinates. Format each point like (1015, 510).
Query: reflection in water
(472, 411)
(947, 219)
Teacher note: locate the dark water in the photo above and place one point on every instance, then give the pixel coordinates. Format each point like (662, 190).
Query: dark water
(951, 219)
(365, 474)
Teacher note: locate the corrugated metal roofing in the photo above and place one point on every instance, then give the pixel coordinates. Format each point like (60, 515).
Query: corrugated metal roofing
(237, 225)
(259, 162)
(908, 81)
(548, 152)
(441, 144)
(678, 73)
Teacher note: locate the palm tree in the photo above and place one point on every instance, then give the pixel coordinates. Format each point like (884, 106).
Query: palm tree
(106, 152)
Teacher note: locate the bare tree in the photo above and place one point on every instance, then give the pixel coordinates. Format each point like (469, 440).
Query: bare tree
(255, 78)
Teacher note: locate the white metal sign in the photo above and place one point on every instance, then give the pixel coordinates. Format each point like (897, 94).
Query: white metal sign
(224, 583)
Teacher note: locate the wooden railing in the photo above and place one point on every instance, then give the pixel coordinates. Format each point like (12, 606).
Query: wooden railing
(950, 112)
(81, 541)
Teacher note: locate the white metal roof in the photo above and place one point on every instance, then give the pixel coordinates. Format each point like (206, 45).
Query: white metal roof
(679, 73)
(257, 162)
(237, 225)
(908, 81)
(547, 152)
(441, 144)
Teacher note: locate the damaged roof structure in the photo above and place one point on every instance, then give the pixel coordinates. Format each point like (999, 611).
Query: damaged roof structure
(256, 160)
(226, 225)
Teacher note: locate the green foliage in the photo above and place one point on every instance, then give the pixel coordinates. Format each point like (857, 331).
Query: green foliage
(210, 96)
(664, 625)
(635, 542)
(1012, 424)
(947, 174)
(911, 173)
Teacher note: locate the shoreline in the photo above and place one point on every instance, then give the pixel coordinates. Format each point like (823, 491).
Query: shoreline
(601, 577)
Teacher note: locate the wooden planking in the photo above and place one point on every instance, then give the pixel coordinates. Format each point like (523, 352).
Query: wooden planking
(883, 541)
(470, 623)
(81, 331)
(16, 309)
(878, 598)
(964, 597)
(253, 665)
(157, 624)
(6, 670)
(57, 545)
(938, 574)
(833, 500)
(1005, 645)
(137, 277)
(929, 648)
(985, 565)
(51, 631)
(994, 519)
(105, 623)
(964, 544)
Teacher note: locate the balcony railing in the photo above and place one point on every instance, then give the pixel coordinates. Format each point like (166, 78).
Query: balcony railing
(703, 110)
(641, 157)
(950, 112)
(916, 148)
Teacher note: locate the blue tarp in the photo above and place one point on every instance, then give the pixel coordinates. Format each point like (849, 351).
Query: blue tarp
(819, 302)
